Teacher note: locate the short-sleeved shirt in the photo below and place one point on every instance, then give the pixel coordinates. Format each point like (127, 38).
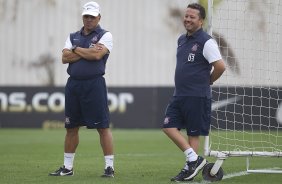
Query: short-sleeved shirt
(195, 54)
(89, 69)
(106, 40)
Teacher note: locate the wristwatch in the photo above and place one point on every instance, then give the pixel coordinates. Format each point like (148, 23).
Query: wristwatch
(73, 48)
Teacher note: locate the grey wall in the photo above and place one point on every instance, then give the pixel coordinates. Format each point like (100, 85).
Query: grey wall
(33, 32)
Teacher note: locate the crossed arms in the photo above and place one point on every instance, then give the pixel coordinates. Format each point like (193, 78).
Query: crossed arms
(94, 53)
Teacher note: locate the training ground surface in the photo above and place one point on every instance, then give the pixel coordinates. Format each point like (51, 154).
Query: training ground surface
(141, 156)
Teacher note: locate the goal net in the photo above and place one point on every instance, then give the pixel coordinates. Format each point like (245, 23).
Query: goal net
(247, 99)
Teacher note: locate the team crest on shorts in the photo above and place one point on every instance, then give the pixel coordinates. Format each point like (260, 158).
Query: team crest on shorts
(166, 120)
(67, 120)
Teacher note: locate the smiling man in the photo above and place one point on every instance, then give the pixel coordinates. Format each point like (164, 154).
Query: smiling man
(199, 64)
(86, 52)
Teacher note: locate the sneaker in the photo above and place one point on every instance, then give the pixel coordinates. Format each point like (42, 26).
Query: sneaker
(62, 171)
(109, 172)
(180, 177)
(193, 169)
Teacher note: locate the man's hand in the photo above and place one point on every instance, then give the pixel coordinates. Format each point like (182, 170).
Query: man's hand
(218, 69)
(69, 57)
(97, 47)
(96, 52)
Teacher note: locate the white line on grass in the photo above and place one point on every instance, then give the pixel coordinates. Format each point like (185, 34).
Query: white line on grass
(145, 154)
(228, 176)
(224, 177)
(242, 173)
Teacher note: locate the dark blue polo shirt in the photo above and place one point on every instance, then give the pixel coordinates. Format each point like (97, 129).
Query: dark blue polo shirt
(87, 69)
(192, 73)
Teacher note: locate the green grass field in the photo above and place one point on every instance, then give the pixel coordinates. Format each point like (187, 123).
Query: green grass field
(141, 156)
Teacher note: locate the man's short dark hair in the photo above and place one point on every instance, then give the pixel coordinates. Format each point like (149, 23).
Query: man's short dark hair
(199, 7)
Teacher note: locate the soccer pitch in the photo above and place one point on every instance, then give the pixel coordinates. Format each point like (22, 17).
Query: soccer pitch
(141, 156)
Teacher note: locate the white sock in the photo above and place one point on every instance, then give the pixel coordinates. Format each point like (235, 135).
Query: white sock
(109, 161)
(191, 155)
(68, 160)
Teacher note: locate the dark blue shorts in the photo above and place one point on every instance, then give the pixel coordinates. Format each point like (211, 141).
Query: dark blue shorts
(190, 113)
(86, 103)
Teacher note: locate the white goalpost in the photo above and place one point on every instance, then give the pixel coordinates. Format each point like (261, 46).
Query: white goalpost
(247, 99)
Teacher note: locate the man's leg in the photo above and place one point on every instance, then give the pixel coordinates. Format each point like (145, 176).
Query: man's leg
(106, 141)
(71, 143)
(193, 162)
(175, 135)
(71, 140)
(194, 142)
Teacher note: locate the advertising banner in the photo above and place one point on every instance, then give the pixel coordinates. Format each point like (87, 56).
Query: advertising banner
(36, 107)
(141, 107)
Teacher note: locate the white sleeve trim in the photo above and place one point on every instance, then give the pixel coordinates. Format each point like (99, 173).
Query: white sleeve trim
(68, 44)
(211, 51)
(107, 40)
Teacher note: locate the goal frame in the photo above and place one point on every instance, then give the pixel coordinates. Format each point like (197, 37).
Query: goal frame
(222, 155)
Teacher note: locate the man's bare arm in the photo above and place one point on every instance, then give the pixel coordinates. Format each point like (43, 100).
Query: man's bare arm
(219, 68)
(69, 57)
(94, 53)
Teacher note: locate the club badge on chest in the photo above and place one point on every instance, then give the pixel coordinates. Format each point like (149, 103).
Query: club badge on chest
(191, 56)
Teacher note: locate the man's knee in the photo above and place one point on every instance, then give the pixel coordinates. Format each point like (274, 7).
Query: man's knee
(168, 131)
(72, 131)
(103, 131)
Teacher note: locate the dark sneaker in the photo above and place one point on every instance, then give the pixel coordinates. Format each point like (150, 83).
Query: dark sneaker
(109, 172)
(62, 171)
(193, 169)
(180, 177)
